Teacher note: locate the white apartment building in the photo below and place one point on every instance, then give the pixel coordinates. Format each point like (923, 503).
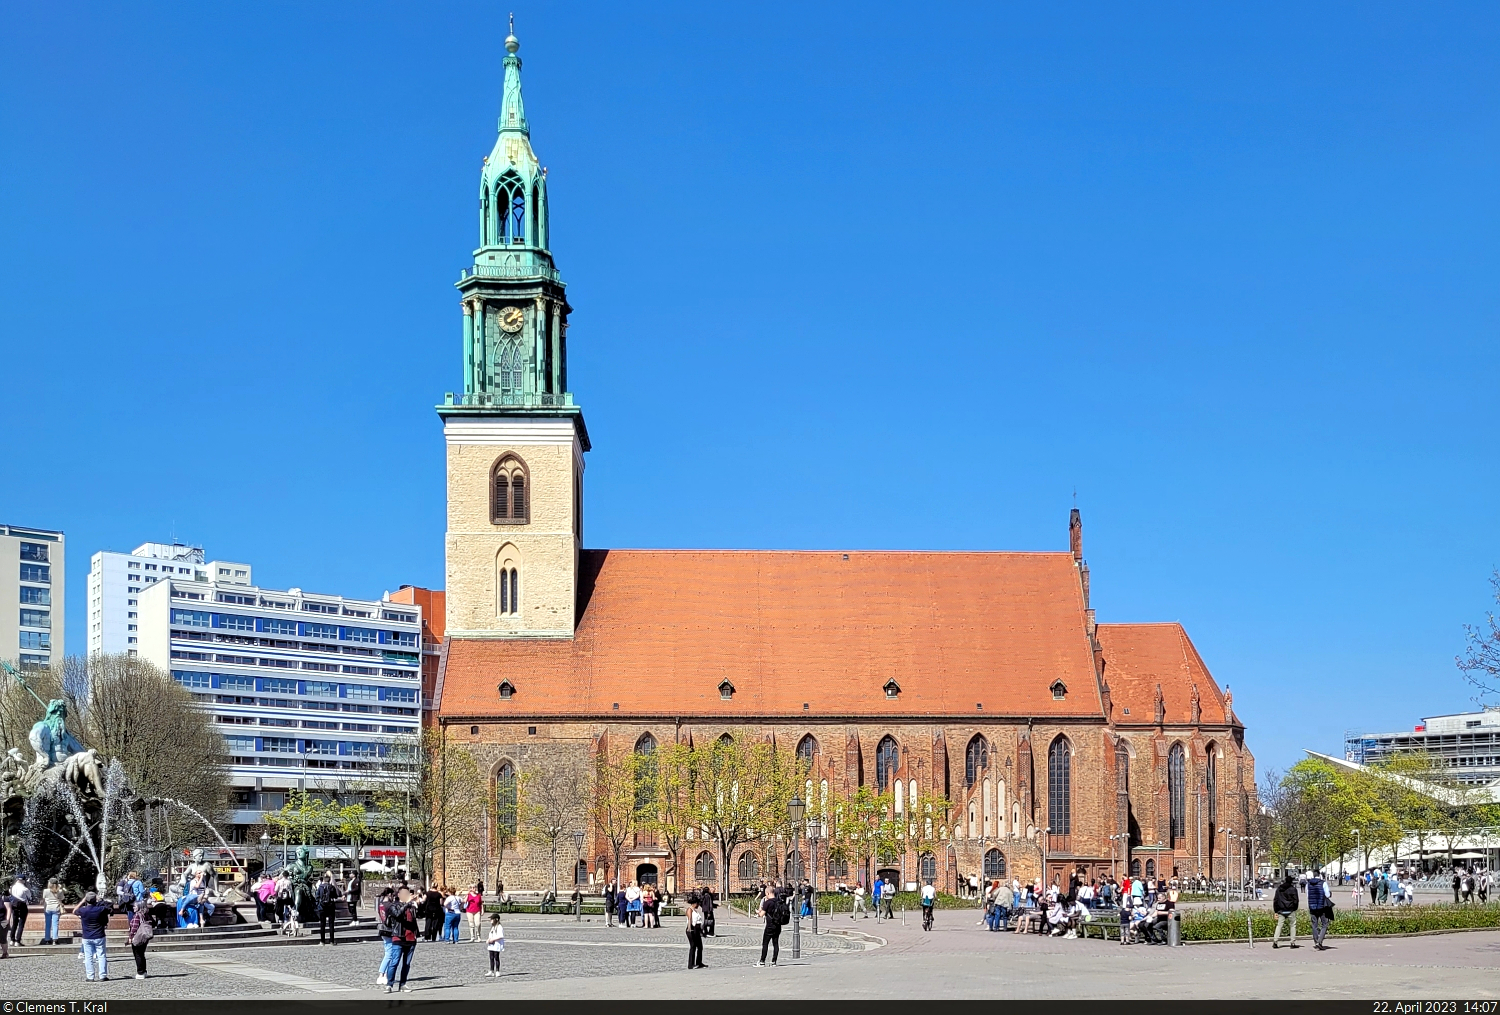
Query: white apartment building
(116, 580)
(310, 692)
(31, 595)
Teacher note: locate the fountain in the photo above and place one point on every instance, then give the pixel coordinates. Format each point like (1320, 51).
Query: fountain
(77, 819)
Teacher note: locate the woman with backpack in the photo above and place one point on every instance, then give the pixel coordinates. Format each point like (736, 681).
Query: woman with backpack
(1285, 904)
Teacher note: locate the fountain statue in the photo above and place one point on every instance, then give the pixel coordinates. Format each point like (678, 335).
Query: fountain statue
(75, 814)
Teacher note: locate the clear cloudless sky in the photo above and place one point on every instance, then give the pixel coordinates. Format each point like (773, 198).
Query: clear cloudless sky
(845, 276)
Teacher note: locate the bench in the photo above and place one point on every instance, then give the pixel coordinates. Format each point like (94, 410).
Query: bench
(1106, 920)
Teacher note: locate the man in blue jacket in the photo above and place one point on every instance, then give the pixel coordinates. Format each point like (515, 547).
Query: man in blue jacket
(1319, 908)
(93, 918)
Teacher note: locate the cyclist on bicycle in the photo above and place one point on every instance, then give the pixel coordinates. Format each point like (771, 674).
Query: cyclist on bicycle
(929, 899)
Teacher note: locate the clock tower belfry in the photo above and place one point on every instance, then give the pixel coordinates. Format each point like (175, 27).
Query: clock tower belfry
(515, 438)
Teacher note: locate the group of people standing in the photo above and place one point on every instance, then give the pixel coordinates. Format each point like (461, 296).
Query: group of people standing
(634, 905)
(1286, 902)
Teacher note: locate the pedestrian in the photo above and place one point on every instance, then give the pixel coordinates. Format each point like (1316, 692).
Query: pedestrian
(771, 907)
(494, 943)
(876, 891)
(474, 906)
(93, 919)
(453, 908)
(622, 908)
(1458, 884)
(353, 891)
(1284, 903)
(694, 932)
(20, 895)
(432, 910)
(706, 901)
(51, 911)
(141, 933)
(403, 923)
(1005, 901)
(325, 898)
(384, 906)
(1319, 909)
(648, 903)
(859, 901)
(889, 897)
(609, 904)
(5, 914)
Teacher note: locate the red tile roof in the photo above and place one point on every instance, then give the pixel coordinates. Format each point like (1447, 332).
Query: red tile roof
(1138, 657)
(661, 629)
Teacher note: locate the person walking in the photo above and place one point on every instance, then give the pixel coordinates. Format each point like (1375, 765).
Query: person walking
(609, 904)
(403, 921)
(876, 891)
(706, 901)
(694, 932)
(385, 904)
(325, 897)
(453, 908)
(1284, 904)
(93, 918)
(20, 905)
(494, 944)
(771, 907)
(51, 911)
(1319, 909)
(1458, 884)
(474, 906)
(141, 933)
(888, 896)
(859, 902)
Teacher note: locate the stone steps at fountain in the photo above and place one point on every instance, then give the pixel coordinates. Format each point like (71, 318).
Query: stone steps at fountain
(239, 935)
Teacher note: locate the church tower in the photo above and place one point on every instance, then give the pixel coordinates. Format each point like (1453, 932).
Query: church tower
(515, 438)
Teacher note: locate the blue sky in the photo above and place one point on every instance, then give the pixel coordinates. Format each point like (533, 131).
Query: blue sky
(845, 276)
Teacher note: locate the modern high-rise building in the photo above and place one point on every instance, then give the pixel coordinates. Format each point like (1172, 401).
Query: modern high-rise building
(116, 580)
(310, 692)
(31, 595)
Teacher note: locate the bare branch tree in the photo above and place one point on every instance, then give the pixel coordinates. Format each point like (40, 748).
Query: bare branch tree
(1480, 662)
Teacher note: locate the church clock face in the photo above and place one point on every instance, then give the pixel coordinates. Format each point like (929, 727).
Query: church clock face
(511, 319)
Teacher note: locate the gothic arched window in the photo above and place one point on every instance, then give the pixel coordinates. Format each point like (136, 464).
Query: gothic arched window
(749, 869)
(1177, 792)
(976, 758)
(645, 773)
(928, 865)
(506, 798)
(1060, 787)
(807, 750)
(509, 504)
(509, 591)
(508, 367)
(1211, 786)
(887, 760)
(484, 220)
(994, 864)
(518, 216)
(703, 869)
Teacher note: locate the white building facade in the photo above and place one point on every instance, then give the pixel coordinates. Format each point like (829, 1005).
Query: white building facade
(32, 596)
(310, 692)
(117, 579)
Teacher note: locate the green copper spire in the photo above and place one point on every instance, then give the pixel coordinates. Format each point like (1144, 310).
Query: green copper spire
(512, 109)
(515, 306)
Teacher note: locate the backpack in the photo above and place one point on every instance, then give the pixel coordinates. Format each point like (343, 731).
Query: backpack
(783, 912)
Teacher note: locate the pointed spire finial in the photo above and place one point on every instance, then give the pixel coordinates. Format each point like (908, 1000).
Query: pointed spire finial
(511, 42)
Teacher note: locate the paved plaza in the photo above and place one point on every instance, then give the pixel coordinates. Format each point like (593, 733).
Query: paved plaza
(552, 958)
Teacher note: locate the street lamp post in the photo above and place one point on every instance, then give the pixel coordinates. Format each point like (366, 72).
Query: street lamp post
(1046, 834)
(1248, 856)
(1122, 838)
(796, 810)
(577, 885)
(1228, 834)
(814, 833)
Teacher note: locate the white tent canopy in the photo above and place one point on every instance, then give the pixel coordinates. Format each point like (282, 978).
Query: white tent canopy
(373, 866)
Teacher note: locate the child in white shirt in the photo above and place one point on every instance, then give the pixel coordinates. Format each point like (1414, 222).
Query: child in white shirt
(495, 944)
